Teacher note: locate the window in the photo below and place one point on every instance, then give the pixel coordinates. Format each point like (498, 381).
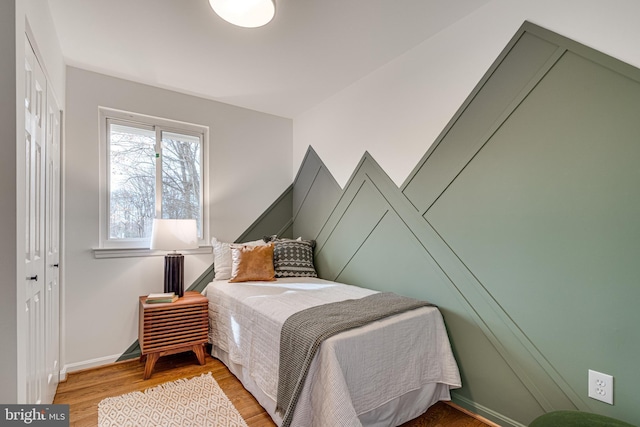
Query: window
(153, 168)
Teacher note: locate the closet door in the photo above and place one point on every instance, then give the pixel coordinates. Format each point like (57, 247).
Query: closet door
(52, 242)
(35, 125)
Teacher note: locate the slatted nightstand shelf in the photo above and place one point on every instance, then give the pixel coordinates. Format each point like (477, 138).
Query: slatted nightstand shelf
(169, 328)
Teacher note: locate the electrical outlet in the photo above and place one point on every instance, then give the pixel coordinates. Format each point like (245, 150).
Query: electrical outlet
(601, 387)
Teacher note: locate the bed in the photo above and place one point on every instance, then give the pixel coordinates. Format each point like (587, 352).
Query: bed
(382, 374)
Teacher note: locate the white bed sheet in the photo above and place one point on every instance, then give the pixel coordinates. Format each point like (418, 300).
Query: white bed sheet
(369, 375)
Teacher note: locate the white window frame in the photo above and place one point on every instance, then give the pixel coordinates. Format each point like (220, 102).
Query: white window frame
(109, 247)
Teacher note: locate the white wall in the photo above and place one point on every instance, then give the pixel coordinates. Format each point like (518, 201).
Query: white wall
(9, 250)
(249, 158)
(398, 111)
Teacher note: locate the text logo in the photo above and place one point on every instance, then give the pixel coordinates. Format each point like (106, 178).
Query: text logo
(34, 415)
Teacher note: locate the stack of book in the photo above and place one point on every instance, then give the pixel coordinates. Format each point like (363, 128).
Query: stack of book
(159, 298)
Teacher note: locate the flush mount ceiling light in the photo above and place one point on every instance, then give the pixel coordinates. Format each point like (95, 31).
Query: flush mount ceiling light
(245, 13)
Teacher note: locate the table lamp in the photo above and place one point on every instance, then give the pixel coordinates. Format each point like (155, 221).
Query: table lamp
(174, 235)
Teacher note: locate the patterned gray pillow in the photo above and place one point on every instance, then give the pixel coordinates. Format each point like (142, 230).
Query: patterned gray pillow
(293, 258)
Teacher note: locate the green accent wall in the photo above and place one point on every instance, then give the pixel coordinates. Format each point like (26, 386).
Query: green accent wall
(277, 219)
(520, 223)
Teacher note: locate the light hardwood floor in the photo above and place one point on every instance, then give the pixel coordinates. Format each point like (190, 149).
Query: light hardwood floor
(84, 390)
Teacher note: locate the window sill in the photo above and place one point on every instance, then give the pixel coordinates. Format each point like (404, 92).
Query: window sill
(100, 253)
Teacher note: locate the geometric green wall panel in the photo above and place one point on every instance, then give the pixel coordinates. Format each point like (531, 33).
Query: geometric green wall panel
(313, 182)
(276, 219)
(344, 240)
(520, 223)
(406, 267)
(520, 63)
(546, 218)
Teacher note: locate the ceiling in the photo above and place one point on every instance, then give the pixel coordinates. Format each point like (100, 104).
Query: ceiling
(310, 51)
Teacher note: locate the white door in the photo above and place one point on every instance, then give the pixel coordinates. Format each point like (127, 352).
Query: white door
(52, 242)
(35, 123)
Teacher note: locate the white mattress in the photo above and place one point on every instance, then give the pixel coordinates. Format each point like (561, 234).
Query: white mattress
(385, 373)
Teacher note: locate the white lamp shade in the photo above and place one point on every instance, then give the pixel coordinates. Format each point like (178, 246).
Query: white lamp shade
(174, 234)
(245, 13)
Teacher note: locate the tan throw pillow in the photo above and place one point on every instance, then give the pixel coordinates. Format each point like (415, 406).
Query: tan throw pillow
(252, 263)
(222, 256)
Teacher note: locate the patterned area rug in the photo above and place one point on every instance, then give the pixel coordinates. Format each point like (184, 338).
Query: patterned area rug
(194, 402)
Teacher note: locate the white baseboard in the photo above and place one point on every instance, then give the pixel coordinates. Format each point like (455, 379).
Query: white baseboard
(86, 364)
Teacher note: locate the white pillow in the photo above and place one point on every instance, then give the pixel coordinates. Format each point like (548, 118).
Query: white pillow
(222, 260)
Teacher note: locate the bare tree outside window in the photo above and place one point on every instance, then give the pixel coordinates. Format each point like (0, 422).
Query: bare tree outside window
(181, 177)
(134, 185)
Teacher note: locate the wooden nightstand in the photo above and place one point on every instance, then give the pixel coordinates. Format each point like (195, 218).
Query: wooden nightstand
(169, 328)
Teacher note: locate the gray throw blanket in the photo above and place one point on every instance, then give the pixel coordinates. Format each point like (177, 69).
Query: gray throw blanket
(304, 331)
